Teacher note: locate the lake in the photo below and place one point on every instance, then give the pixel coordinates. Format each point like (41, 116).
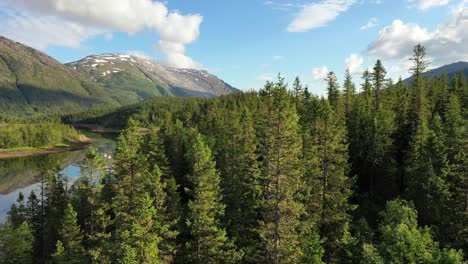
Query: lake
(20, 174)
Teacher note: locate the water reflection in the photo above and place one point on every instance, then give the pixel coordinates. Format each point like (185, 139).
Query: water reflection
(19, 174)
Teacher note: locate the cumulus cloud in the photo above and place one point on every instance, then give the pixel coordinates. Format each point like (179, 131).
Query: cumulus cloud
(446, 44)
(316, 15)
(354, 63)
(426, 4)
(372, 23)
(130, 16)
(397, 40)
(42, 32)
(319, 73)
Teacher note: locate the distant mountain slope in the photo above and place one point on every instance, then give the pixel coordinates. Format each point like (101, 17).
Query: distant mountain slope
(450, 69)
(31, 81)
(131, 78)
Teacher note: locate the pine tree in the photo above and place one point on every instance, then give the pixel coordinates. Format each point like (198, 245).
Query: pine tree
(209, 243)
(70, 248)
(281, 169)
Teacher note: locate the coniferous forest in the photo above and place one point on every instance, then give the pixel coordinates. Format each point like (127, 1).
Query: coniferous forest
(375, 173)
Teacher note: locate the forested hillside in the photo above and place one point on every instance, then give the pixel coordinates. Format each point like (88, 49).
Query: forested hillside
(32, 83)
(275, 176)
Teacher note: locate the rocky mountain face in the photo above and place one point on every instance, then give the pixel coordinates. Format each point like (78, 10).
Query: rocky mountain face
(33, 82)
(135, 78)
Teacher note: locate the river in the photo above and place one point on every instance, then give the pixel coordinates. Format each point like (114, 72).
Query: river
(20, 174)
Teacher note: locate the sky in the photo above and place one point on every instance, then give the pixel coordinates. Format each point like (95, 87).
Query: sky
(247, 42)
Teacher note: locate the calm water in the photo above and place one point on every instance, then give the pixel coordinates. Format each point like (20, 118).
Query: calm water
(19, 174)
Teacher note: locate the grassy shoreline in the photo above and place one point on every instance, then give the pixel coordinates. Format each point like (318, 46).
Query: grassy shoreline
(78, 143)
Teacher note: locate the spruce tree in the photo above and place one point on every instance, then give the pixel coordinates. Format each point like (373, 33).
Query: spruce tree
(164, 189)
(333, 90)
(135, 238)
(281, 169)
(378, 78)
(209, 243)
(240, 181)
(16, 244)
(331, 184)
(70, 247)
(456, 231)
(349, 92)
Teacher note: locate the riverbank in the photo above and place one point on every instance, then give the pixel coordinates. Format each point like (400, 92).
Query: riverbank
(79, 143)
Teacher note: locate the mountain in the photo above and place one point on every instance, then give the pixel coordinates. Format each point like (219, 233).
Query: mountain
(131, 78)
(450, 69)
(31, 81)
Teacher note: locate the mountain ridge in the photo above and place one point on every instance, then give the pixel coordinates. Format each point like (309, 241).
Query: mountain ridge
(450, 69)
(33, 82)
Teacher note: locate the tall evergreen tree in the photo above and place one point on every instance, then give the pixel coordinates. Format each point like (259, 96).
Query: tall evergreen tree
(209, 243)
(240, 181)
(349, 92)
(164, 189)
(378, 78)
(281, 169)
(332, 186)
(420, 169)
(135, 238)
(333, 90)
(70, 247)
(456, 145)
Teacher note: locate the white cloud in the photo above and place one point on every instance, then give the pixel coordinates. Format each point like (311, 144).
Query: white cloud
(42, 32)
(397, 40)
(426, 4)
(319, 73)
(354, 63)
(130, 16)
(400, 68)
(281, 6)
(444, 45)
(316, 15)
(372, 23)
(139, 53)
(175, 55)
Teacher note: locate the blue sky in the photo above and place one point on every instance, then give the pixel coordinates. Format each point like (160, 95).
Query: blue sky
(247, 42)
